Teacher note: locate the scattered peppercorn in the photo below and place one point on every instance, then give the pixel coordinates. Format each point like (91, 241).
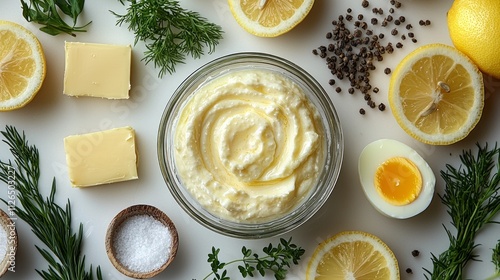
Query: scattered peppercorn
(415, 253)
(353, 53)
(414, 40)
(421, 22)
(409, 271)
(427, 22)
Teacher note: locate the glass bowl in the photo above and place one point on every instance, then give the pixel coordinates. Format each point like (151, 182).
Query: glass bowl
(328, 172)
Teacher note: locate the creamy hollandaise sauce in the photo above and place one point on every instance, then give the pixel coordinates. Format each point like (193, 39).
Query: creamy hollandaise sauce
(249, 145)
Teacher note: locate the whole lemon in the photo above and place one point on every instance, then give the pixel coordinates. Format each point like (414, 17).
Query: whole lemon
(474, 27)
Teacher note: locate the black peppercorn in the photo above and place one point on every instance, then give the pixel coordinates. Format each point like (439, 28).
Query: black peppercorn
(409, 271)
(387, 71)
(365, 3)
(381, 107)
(362, 111)
(415, 253)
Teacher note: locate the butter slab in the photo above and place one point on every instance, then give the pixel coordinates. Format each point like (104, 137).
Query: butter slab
(101, 157)
(97, 70)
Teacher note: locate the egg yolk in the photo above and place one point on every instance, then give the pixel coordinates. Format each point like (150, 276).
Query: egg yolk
(398, 181)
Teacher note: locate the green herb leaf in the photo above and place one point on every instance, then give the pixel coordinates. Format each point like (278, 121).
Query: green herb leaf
(169, 31)
(46, 12)
(472, 197)
(277, 260)
(48, 221)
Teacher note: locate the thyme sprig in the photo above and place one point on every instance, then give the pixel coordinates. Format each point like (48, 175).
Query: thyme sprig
(46, 12)
(48, 221)
(472, 197)
(169, 31)
(277, 260)
(495, 259)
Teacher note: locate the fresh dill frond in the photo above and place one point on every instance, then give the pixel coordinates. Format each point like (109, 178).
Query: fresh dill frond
(169, 32)
(48, 221)
(46, 12)
(472, 199)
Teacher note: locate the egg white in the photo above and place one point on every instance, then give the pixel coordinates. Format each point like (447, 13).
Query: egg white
(376, 153)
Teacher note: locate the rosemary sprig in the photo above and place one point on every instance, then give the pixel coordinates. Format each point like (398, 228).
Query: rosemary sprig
(169, 31)
(277, 260)
(48, 221)
(472, 196)
(46, 12)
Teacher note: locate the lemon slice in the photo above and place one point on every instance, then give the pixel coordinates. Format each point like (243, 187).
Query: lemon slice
(353, 255)
(22, 66)
(436, 94)
(269, 18)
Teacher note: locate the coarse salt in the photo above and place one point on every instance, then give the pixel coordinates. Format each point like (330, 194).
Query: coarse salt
(3, 242)
(142, 243)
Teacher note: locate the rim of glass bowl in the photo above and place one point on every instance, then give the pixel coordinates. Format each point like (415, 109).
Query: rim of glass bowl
(333, 152)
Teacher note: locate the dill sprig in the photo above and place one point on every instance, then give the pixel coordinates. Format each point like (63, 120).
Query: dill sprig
(472, 198)
(277, 260)
(46, 12)
(169, 31)
(48, 221)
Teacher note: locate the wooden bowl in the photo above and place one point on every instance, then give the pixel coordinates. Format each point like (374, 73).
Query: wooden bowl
(127, 213)
(9, 227)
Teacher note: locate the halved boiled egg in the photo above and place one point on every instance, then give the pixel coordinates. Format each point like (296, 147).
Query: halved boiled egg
(397, 181)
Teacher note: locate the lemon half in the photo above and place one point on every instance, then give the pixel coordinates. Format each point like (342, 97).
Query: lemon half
(269, 18)
(436, 94)
(353, 255)
(22, 66)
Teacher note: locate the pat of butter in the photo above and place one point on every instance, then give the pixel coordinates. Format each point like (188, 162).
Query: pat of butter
(97, 70)
(101, 157)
